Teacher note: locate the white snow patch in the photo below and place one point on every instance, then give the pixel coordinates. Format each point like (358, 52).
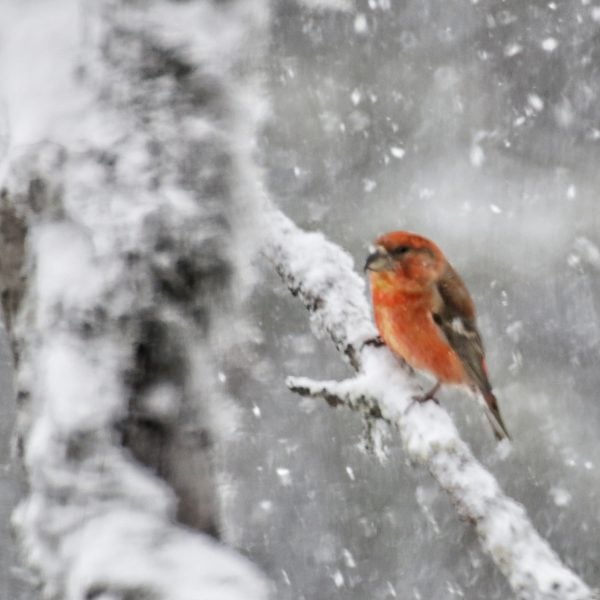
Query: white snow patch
(513, 50)
(476, 155)
(66, 268)
(587, 251)
(195, 562)
(348, 558)
(369, 185)
(549, 44)
(560, 496)
(361, 25)
(337, 5)
(284, 475)
(38, 89)
(427, 428)
(80, 390)
(535, 102)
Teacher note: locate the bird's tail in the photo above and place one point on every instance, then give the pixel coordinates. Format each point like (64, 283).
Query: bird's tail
(494, 417)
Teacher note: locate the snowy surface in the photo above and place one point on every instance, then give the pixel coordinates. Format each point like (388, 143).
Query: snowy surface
(197, 565)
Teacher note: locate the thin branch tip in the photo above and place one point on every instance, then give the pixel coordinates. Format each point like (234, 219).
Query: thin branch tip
(312, 389)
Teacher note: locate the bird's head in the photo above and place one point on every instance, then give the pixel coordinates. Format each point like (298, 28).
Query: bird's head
(407, 256)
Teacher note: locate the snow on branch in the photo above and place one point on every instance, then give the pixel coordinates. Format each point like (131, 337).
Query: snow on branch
(322, 275)
(325, 282)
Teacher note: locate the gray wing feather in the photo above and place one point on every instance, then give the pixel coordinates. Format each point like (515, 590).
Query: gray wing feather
(455, 316)
(456, 319)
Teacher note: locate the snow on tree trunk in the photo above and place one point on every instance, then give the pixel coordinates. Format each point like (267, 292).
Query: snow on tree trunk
(129, 194)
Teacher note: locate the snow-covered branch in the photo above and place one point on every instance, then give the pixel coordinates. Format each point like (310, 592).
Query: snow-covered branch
(322, 276)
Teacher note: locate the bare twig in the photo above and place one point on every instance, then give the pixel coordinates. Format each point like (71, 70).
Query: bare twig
(322, 276)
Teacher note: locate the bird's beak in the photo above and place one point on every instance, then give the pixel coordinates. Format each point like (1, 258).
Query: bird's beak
(378, 260)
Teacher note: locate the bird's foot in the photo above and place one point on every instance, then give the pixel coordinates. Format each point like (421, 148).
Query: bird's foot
(375, 341)
(430, 395)
(424, 398)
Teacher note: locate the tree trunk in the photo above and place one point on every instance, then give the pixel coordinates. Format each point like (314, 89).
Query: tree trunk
(129, 189)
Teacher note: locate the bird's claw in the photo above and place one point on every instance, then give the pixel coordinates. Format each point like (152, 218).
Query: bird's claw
(425, 398)
(430, 395)
(421, 399)
(377, 342)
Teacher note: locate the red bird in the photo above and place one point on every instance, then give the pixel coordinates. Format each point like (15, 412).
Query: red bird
(425, 314)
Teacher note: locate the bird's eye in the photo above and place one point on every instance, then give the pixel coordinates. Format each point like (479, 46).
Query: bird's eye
(399, 251)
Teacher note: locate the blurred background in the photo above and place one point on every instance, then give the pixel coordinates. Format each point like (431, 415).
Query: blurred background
(475, 123)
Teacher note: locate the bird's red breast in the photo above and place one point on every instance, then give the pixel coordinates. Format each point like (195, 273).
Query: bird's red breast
(404, 321)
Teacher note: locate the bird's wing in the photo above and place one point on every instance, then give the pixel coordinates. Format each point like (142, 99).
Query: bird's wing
(455, 316)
